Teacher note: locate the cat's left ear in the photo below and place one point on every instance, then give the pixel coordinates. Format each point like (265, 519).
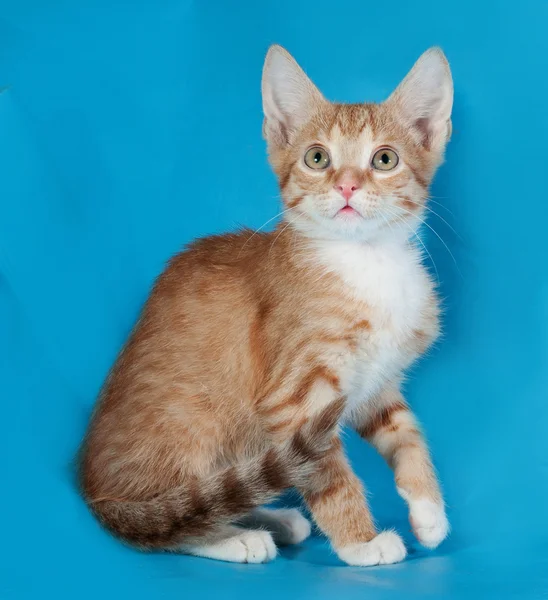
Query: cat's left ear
(425, 99)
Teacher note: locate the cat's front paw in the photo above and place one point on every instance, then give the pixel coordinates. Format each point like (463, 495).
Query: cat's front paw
(429, 522)
(384, 549)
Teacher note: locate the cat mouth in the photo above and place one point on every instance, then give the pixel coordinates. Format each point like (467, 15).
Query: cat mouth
(348, 212)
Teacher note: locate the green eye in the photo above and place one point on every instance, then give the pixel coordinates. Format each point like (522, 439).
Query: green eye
(385, 159)
(317, 158)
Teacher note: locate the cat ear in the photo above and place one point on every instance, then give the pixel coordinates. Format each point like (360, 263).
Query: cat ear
(425, 98)
(289, 97)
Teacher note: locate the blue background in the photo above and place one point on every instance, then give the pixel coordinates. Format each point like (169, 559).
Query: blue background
(128, 128)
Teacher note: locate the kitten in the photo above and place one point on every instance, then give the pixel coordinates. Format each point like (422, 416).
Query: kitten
(254, 348)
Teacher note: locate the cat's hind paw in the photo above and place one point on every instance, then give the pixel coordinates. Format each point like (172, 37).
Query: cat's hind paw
(286, 525)
(292, 528)
(244, 547)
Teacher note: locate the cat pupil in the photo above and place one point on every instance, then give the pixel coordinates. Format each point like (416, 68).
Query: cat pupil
(317, 157)
(385, 159)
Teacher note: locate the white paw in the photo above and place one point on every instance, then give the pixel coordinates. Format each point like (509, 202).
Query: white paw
(256, 547)
(429, 522)
(385, 549)
(293, 527)
(244, 547)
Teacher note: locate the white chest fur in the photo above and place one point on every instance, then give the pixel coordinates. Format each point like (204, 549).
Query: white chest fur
(390, 281)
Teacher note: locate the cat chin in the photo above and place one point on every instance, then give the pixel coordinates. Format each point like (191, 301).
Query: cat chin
(350, 229)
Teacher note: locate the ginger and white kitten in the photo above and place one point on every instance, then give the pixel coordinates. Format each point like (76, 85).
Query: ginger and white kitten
(254, 348)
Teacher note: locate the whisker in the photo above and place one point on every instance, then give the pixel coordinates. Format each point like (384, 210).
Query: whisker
(439, 217)
(385, 220)
(431, 199)
(438, 236)
(261, 227)
(279, 234)
(415, 233)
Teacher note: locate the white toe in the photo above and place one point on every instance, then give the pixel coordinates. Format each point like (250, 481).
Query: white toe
(260, 546)
(384, 549)
(429, 522)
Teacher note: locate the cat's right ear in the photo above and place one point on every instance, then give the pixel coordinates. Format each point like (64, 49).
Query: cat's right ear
(289, 97)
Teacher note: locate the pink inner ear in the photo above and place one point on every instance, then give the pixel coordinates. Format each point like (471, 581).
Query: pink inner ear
(423, 126)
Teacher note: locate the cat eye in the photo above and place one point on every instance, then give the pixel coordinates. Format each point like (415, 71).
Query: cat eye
(317, 158)
(385, 159)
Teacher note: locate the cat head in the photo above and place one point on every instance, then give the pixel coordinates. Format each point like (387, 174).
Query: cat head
(356, 171)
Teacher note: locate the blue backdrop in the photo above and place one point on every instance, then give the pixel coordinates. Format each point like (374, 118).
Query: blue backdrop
(110, 113)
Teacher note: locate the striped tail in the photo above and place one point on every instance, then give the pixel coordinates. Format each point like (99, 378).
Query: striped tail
(197, 508)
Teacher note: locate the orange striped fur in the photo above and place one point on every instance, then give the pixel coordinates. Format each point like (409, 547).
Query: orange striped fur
(254, 348)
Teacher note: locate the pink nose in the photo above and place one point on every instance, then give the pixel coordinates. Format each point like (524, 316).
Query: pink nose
(347, 188)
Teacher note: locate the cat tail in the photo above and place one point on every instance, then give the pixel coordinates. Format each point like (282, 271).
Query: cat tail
(197, 508)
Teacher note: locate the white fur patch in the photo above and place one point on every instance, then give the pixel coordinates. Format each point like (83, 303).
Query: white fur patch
(385, 549)
(389, 278)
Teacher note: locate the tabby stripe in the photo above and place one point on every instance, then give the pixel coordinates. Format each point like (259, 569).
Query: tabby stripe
(381, 419)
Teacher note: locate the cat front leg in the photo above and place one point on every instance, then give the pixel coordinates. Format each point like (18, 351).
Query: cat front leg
(393, 430)
(311, 401)
(337, 501)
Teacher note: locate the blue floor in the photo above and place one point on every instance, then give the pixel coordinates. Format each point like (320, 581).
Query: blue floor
(129, 128)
